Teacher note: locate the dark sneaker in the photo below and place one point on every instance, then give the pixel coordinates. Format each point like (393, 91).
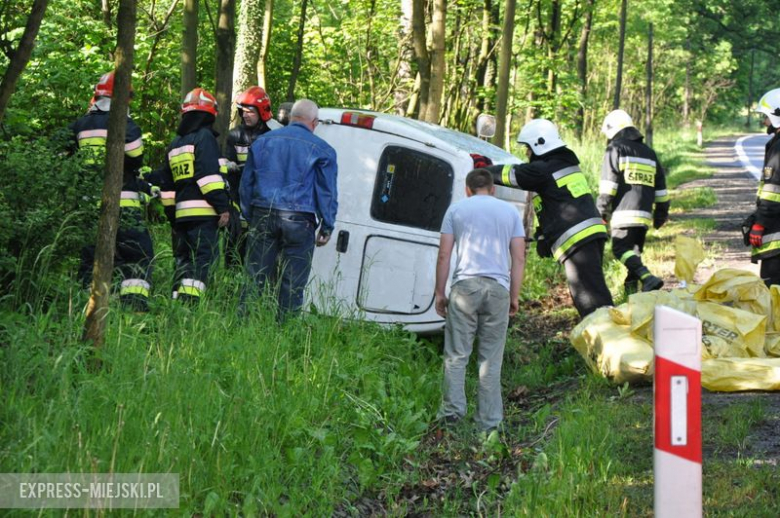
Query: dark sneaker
(651, 283)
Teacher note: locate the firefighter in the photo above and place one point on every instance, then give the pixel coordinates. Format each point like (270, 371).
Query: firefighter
(632, 196)
(765, 232)
(134, 251)
(569, 226)
(254, 109)
(201, 198)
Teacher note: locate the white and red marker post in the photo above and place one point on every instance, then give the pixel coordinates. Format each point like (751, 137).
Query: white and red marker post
(677, 394)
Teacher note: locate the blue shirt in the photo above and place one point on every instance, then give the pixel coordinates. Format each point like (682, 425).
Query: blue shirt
(291, 169)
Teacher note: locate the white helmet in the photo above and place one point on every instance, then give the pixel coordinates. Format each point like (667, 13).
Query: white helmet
(615, 121)
(769, 105)
(541, 136)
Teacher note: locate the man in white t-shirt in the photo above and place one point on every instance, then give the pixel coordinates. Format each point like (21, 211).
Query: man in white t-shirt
(488, 237)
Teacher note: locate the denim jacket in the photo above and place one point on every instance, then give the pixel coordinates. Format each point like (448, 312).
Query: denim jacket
(291, 169)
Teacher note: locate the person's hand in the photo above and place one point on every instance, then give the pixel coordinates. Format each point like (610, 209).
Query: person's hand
(658, 223)
(514, 307)
(224, 219)
(756, 233)
(323, 236)
(441, 305)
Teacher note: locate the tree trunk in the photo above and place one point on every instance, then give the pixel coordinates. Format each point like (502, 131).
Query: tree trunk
(621, 48)
(20, 58)
(105, 8)
(649, 89)
(265, 42)
(553, 35)
(226, 41)
(247, 49)
(750, 88)
(298, 58)
(189, 47)
(582, 67)
(422, 57)
(486, 57)
(687, 89)
(97, 308)
(438, 64)
(403, 91)
(500, 139)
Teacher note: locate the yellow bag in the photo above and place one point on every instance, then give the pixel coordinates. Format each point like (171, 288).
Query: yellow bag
(741, 329)
(734, 374)
(611, 349)
(688, 254)
(774, 315)
(772, 345)
(741, 288)
(641, 308)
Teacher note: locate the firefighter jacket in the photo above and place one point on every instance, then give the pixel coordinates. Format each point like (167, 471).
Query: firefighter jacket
(565, 210)
(237, 148)
(193, 168)
(632, 181)
(91, 133)
(768, 202)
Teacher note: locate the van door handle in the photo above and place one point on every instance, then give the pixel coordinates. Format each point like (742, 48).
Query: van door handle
(342, 242)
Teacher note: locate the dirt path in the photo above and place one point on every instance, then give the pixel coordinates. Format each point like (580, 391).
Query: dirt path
(735, 191)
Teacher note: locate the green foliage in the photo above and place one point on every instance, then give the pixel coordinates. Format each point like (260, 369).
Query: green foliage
(49, 204)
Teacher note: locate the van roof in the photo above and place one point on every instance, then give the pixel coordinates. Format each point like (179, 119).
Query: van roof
(425, 133)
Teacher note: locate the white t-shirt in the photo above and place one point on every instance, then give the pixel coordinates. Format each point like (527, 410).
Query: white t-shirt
(482, 226)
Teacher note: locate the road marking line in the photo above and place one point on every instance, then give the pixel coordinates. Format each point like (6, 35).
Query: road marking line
(753, 170)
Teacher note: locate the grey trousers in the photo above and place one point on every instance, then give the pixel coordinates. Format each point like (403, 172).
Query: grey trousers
(478, 307)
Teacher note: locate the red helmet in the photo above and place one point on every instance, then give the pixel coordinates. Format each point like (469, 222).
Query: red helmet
(256, 97)
(199, 100)
(105, 87)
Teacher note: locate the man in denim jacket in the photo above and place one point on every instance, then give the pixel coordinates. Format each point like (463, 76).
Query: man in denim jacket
(288, 189)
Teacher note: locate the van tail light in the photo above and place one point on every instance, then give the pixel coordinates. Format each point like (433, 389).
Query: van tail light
(360, 120)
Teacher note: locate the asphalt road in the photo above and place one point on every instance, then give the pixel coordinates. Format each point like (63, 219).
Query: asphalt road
(750, 151)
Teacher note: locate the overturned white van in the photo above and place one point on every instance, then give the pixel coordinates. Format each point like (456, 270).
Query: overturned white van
(397, 177)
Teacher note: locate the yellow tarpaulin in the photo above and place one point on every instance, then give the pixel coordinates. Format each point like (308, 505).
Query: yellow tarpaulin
(734, 307)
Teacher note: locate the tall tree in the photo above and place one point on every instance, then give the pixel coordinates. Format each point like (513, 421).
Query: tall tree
(298, 57)
(226, 42)
(422, 57)
(97, 308)
(621, 48)
(247, 48)
(504, 59)
(582, 66)
(265, 42)
(18, 58)
(438, 62)
(405, 56)
(649, 88)
(189, 47)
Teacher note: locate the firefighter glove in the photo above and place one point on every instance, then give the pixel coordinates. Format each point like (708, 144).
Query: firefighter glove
(756, 233)
(658, 223)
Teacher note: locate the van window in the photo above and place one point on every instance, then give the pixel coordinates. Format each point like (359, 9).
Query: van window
(412, 189)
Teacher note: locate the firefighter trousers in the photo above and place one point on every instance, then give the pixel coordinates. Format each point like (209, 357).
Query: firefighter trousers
(197, 247)
(585, 275)
(627, 245)
(132, 261)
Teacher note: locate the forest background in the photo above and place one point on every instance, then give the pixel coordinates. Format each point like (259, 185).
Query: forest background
(332, 416)
(666, 62)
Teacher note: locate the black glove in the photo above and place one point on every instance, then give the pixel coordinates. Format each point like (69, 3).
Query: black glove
(543, 248)
(234, 225)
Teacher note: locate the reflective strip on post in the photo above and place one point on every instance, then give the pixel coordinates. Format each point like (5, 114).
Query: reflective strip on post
(677, 397)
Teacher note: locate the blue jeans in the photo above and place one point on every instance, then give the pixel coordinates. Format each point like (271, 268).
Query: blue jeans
(279, 252)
